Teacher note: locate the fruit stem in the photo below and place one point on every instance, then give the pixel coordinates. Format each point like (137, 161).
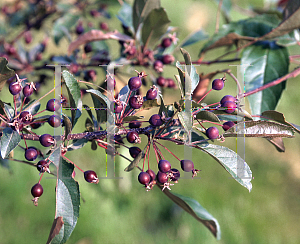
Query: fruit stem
(205, 95)
(168, 150)
(41, 178)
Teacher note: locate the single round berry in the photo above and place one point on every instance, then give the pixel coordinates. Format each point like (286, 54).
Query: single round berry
(42, 166)
(54, 121)
(136, 101)
(88, 48)
(175, 174)
(152, 174)
(228, 98)
(135, 124)
(53, 105)
(37, 190)
(79, 29)
(151, 93)
(134, 151)
(134, 83)
(46, 140)
(161, 81)
(28, 90)
(227, 125)
(144, 178)
(168, 59)
(91, 176)
(117, 106)
(162, 177)
(217, 84)
(104, 26)
(155, 120)
(166, 42)
(158, 66)
(28, 37)
(133, 137)
(164, 166)
(170, 83)
(118, 139)
(187, 165)
(15, 88)
(35, 125)
(25, 117)
(229, 106)
(31, 154)
(212, 133)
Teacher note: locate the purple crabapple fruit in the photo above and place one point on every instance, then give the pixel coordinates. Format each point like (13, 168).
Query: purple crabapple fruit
(167, 59)
(42, 166)
(158, 66)
(227, 125)
(212, 132)
(229, 106)
(54, 121)
(187, 165)
(134, 83)
(170, 83)
(46, 140)
(15, 88)
(133, 137)
(152, 174)
(25, 117)
(31, 154)
(152, 93)
(53, 105)
(91, 176)
(144, 178)
(162, 177)
(161, 81)
(164, 166)
(28, 90)
(37, 190)
(136, 101)
(155, 120)
(175, 175)
(135, 124)
(134, 151)
(228, 98)
(218, 84)
(117, 106)
(166, 42)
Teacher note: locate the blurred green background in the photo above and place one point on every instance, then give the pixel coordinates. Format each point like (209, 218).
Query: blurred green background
(121, 211)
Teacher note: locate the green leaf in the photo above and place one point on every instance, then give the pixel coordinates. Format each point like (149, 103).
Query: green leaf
(102, 98)
(132, 118)
(68, 125)
(74, 88)
(125, 15)
(148, 104)
(240, 32)
(279, 117)
(194, 38)
(67, 202)
(192, 207)
(33, 106)
(186, 121)
(88, 109)
(63, 25)
(141, 9)
(9, 140)
(134, 162)
(267, 64)
(5, 72)
(155, 25)
(100, 103)
(260, 129)
(8, 110)
(232, 162)
(206, 115)
(226, 6)
(162, 108)
(77, 144)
